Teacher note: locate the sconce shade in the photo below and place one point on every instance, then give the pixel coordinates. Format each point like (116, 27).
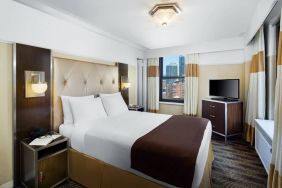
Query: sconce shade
(35, 85)
(39, 87)
(126, 85)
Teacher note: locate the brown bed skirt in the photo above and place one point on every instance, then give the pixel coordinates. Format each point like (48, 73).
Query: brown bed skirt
(93, 173)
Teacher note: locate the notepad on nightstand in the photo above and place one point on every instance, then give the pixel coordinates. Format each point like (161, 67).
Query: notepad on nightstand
(41, 141)
(44, 140)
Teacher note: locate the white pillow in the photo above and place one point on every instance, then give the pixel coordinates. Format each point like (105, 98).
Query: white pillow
(114, 104)
(68, 119)
(68, 116)
(87, 109)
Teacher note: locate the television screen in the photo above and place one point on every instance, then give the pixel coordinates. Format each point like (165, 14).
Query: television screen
(228, 88)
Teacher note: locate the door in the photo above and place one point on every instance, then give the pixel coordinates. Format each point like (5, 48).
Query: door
(52, 170)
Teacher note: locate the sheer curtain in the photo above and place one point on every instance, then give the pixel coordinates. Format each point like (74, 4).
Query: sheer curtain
(275, 170)
(153, 85)
(191, 85)
(255, 108)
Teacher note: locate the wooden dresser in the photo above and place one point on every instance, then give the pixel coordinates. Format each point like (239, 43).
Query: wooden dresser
(226, 117)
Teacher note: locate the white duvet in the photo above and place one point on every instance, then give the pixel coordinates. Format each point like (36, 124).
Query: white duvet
(110, 139)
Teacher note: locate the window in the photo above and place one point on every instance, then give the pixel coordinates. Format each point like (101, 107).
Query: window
(172, 78)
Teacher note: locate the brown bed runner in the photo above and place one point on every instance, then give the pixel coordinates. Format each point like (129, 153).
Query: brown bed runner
(169, 152)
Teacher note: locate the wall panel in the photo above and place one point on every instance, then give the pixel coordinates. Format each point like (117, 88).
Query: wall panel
(31, 113)
(6, 135)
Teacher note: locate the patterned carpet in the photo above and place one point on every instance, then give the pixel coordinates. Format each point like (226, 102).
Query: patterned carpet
(235, 165)
(70, 184)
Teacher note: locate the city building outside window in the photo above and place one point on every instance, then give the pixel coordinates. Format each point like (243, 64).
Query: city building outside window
(172, 78)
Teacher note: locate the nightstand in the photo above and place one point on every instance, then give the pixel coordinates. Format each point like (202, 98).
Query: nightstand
(136, 108)
(44, 166)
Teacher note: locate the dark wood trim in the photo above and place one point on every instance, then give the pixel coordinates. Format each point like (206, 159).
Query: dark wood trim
(123, 71)
(30, 113)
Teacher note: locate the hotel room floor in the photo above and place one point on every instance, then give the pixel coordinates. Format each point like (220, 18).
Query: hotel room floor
(235, 165)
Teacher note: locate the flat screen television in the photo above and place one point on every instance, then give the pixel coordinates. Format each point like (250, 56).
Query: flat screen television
(225, 89)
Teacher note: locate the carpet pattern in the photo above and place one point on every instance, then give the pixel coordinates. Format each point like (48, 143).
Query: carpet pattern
(70, 184)
(236, 165)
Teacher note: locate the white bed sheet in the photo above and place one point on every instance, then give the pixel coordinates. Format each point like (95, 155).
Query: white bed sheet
(110, 140)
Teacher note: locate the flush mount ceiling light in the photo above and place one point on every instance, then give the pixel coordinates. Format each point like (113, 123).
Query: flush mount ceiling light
(164, 13)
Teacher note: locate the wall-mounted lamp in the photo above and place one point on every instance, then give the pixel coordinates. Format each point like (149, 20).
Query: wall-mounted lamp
(35, 85)
(125, 84)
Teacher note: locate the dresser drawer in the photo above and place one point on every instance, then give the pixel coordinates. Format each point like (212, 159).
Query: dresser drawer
(226, 116)
(215, 112)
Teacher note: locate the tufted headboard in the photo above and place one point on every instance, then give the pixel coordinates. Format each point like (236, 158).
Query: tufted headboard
(78, 78)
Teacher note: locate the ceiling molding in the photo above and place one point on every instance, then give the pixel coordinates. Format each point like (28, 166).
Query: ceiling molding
(6, 42)
(224, 45)
(67, 16)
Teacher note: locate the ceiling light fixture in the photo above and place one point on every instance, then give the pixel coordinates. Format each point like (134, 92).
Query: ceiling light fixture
(164, 13)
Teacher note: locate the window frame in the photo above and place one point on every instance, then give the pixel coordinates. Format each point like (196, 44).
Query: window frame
(181, 101)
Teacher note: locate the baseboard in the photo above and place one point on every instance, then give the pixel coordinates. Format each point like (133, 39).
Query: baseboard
(7, 185)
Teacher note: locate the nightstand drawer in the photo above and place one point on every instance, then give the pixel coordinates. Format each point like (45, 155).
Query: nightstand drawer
(52, 170)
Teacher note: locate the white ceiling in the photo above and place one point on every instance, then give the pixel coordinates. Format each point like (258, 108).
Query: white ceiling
(200, 21)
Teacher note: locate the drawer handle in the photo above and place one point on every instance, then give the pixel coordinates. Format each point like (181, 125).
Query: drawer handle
(212, 106)
(212, 116)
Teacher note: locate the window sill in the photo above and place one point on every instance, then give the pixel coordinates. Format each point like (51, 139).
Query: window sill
(171, 103)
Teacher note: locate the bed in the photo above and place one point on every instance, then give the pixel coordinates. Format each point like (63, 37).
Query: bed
(100, 154)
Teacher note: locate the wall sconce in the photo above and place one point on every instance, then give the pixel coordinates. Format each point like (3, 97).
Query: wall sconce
(35, 85)
(125, 84)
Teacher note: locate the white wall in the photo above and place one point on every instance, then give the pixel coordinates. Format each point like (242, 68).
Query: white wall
(223, 57)
(263, 9)
(26, 25)
(206, 47)
(226, 51)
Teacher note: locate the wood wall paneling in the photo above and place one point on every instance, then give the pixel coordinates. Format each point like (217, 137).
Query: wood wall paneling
(30, 112)
(123, 71)
(235, 121)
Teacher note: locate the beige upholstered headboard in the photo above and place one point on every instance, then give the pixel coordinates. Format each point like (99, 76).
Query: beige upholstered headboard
(78, 78)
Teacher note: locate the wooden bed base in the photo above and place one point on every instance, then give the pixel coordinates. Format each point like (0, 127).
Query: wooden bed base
(93, 173)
